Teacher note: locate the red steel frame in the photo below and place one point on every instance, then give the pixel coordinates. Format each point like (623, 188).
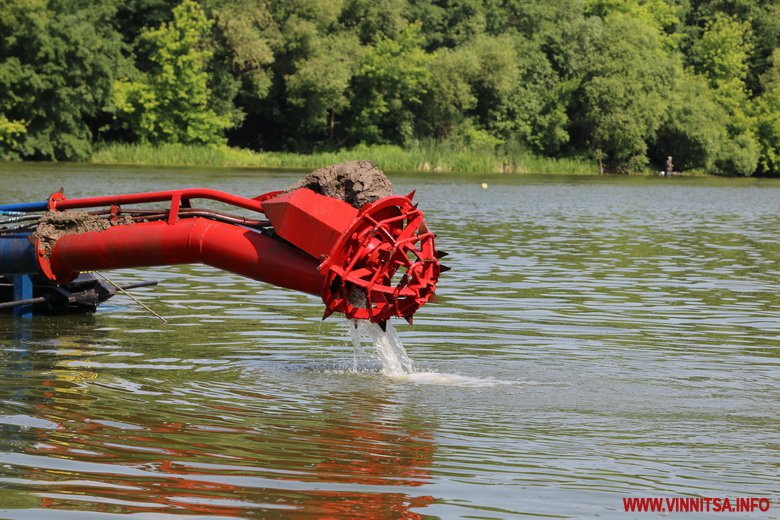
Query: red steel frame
(179, 241)
(348, 250)
(58, 201)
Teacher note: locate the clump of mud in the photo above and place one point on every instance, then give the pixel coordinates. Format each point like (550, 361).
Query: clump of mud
(56, 224)
(354, 182)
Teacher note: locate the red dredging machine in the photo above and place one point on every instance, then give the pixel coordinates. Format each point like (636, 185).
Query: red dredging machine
(374, 262)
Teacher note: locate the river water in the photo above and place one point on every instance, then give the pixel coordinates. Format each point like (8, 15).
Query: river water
(596, 339)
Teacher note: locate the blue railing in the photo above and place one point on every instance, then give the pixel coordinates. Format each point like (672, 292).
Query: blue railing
(23, 207)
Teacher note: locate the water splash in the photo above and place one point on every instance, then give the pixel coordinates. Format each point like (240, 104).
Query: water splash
(397, 364)
(395, 361)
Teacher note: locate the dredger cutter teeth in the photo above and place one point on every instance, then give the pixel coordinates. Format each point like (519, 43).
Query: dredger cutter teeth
(386, 265)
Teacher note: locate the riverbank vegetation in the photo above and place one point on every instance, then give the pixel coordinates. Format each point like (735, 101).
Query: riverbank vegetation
(482, 84)
(433, 156)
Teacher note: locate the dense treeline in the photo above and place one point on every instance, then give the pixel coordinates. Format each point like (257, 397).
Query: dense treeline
(626, 82)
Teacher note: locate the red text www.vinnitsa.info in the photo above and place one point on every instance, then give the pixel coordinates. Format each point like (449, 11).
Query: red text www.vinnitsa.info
(695, 504)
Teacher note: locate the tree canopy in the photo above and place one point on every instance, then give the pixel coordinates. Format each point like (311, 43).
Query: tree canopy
(625, 82)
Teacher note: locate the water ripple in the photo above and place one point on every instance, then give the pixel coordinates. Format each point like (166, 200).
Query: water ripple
(595, 339)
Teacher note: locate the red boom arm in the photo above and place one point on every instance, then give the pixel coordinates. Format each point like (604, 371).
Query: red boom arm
(373, 263)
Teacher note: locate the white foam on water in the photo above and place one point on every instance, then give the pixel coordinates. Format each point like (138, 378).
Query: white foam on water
(397, 364)
(444, 379)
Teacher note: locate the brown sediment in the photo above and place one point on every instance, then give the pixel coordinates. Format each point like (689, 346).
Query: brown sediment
(354, 182)
(56, 224)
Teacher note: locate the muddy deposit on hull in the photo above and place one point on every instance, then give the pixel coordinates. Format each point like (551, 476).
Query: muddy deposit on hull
(354, 182)
(56, 224)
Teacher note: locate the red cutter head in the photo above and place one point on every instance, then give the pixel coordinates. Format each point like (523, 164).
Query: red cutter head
(385, 265)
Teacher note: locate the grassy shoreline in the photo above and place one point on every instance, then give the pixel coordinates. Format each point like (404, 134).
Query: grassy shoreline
(437, 157)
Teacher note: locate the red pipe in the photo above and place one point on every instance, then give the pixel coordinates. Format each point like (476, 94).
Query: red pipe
(193, 240)
(58, 202)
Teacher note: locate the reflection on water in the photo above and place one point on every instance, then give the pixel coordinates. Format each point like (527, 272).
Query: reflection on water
(595, 339)
(225, 444)
(213, 446)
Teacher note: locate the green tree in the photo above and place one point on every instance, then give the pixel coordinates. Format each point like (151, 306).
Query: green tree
(533, 111)
(389, 86)
(300, 108)
(370, 19)
(763, 18)
(10, 136)
(722, 51)
(451, 96)
(768, 119)
(172, 102)
(663, 15)
(319, 86)
(133, 16)
(469, 89)
(622, 98)
(694, 131)
(554, 44)
(57, 62)
(245, 36)
(450, 23)
(721, 55)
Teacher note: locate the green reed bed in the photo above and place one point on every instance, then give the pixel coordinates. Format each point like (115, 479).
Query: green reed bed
(426, 156)
(164, 155)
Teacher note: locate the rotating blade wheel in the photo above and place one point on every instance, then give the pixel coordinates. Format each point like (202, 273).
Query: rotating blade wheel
(386, 265)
